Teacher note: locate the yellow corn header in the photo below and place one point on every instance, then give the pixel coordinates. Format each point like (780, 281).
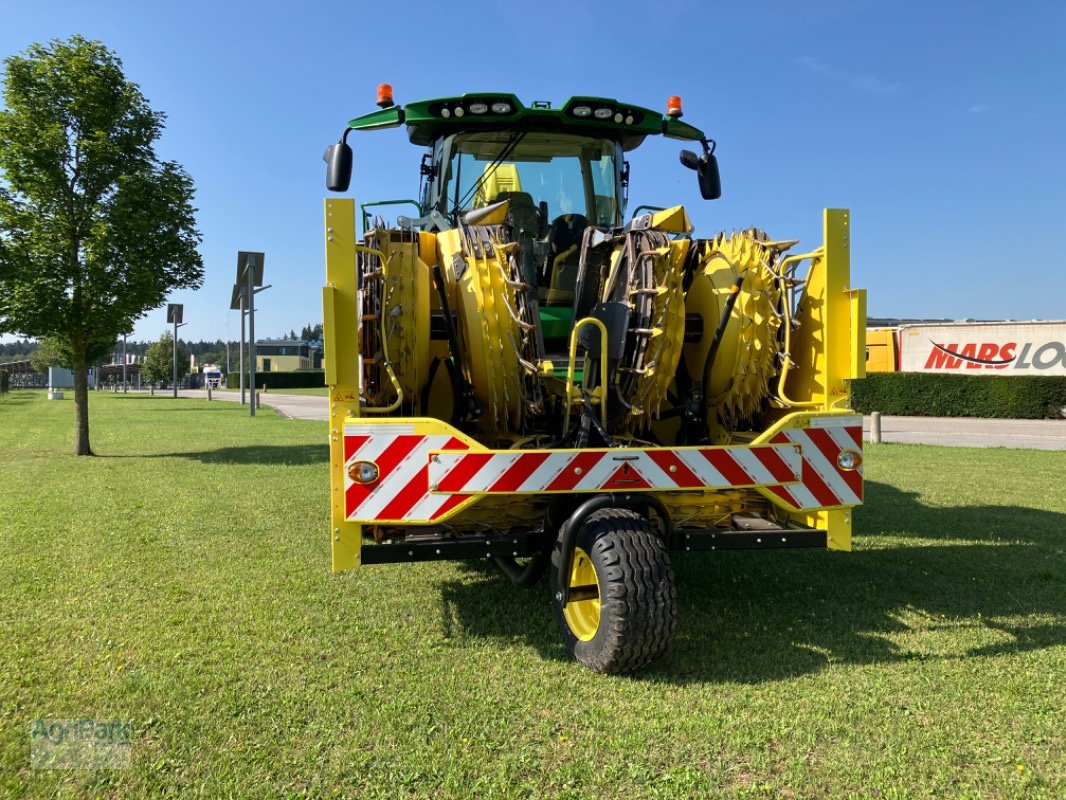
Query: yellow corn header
(519, 373)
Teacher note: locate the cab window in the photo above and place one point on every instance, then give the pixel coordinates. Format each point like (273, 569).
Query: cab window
(571, 174)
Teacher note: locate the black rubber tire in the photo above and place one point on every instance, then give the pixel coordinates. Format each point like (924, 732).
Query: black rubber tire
(638, 598)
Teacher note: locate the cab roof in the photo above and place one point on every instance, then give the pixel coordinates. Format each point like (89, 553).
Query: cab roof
(428, 120)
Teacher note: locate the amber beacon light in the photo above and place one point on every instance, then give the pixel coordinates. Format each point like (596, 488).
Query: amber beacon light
(385, 95)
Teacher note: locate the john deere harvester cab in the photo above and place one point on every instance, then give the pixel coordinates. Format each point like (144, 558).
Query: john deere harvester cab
(522, 370)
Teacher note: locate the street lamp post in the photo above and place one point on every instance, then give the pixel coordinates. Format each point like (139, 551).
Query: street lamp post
(236, 303)
(249, 277)
(174, 315)
(250, 292)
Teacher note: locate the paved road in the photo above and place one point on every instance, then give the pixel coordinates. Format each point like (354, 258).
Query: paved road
(295, 406)
(1027, 433)
(1039, 434)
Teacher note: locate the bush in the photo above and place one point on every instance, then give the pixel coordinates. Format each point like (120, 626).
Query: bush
(304, 379)
(927, 394)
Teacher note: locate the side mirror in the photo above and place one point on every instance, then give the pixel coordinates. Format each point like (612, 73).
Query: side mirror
(710, 180)
(338, 158)
(706, 167)
(690, 159)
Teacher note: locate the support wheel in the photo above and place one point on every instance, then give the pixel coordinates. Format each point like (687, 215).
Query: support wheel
(623, 603)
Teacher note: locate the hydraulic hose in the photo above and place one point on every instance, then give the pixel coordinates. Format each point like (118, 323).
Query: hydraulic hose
(719, 333)
(712, 354)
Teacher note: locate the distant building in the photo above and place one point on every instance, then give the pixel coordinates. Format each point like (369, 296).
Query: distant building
(286, 355)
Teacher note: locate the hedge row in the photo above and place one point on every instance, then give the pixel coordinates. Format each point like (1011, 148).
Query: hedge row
(927, 394)
(304, 379)
(923, 394)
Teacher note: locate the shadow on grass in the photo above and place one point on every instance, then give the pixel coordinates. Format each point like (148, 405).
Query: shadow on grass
(272, 455)
(979, 581)
(19, 397)
(191, 409)
(292, 454)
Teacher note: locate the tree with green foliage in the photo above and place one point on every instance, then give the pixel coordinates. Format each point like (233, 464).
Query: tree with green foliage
(51, 352)
(47, 355)
(95, 230)
(158, 366)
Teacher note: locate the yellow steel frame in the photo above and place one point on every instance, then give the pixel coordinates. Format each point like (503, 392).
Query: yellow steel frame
(829, 348)
(828, 353)
(340, 309)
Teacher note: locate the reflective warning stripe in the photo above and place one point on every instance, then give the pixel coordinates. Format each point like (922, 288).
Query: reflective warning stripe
(540, 471)
(401, 493)
(421, 478)
(824, 483)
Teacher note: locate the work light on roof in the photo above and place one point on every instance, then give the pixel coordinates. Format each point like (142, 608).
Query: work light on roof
(604, 113)
(501, 108)
(479, 108)
(582, 111)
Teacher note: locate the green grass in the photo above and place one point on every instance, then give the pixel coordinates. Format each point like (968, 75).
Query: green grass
(181, 580)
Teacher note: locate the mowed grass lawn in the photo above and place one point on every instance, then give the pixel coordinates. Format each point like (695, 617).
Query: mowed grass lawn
(181, 580)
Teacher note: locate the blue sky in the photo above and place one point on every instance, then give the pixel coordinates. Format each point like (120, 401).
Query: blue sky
(939, 124)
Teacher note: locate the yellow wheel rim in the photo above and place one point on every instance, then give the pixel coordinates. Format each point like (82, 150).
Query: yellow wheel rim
(582, 613)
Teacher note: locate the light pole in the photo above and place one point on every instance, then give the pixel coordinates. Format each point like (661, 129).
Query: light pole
(236, 303)
(174, 314)
(249, 276)
(249, 291)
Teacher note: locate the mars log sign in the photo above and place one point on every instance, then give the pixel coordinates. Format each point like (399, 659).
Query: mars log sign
(1024, 348)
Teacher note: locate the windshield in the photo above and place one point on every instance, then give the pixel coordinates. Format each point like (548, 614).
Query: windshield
(572, 174)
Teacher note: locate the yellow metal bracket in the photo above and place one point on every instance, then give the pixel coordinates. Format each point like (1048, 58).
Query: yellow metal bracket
(831, 339)
(340, 328)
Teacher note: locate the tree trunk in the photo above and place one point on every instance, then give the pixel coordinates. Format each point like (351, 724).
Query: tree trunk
(81, 407)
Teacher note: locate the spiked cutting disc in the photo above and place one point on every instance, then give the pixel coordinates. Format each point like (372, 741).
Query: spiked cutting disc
(747, 354)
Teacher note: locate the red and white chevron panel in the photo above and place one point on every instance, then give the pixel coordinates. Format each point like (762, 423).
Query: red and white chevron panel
(824, 484)
(421, 478)
(402, 457)
(544, 471)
